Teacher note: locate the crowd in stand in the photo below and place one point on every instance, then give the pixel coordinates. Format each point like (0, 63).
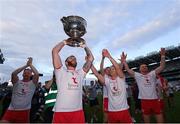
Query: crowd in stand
(63, 97)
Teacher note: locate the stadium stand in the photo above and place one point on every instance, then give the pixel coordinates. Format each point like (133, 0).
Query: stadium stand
(2, 59)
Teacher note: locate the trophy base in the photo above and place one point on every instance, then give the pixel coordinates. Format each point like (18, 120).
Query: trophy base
(75, 42)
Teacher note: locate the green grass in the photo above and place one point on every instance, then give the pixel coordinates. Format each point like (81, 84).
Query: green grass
(172, 114)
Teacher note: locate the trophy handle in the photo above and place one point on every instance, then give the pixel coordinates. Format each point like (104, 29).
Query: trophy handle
(63, 19)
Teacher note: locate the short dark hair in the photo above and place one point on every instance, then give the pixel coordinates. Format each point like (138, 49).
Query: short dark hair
(69, 57)
(107, 67)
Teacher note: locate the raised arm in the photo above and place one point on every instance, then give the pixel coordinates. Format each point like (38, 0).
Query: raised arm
(89, 59)
(14, 75)
(165, 83)
(99, 76)
(162, 62)
(123, 61)
(102, 63)
(115, 64)
(57, 63)
(121, 65)
(34, 70)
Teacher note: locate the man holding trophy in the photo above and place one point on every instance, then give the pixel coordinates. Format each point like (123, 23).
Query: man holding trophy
(68, 107)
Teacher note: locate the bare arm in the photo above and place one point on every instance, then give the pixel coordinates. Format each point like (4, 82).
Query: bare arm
(34, 70)
(102, 62)
(165, 87)
(115, 64)
(89, 59)
(123, 60)
(99, 76)
(36, 74)
(162, 63)
(57, 63)
(14, 75)
(121, 65)
(102, 65)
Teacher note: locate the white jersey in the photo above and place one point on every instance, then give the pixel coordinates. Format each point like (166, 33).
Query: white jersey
(22, 95)
(116, 90)
(146, 85)
(69, 85)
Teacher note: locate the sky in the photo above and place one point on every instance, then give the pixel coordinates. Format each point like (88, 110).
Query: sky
(31, 28)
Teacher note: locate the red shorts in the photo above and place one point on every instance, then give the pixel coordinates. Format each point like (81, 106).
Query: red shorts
(119, 117)
(150, 106)
(105, 104)
(69, 117)
(14, 116)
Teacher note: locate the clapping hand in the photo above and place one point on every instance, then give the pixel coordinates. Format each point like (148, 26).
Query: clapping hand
(123, 57)
(68, 42)
(106, 53)
(29, 62)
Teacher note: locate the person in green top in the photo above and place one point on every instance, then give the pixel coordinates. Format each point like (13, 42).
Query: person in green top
(50, 99)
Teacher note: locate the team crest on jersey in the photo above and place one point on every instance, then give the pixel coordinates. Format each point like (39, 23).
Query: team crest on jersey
(147, 81)
(114, 88)
(24, 88)
(116, 93)
(74, 84)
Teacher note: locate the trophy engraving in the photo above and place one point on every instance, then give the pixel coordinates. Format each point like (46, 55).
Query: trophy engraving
(75, 28)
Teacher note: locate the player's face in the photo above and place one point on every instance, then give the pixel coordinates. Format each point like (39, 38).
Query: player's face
(143, 68)
(71, 61)
(107, 71)
(27, 74)
(112, 71)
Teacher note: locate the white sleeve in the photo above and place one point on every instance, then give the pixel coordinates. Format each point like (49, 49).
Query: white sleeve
(59, 72)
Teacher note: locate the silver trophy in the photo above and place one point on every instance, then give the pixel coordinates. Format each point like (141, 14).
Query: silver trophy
(75, 28)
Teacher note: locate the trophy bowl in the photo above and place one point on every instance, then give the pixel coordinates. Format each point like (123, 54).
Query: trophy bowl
(75, 28)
